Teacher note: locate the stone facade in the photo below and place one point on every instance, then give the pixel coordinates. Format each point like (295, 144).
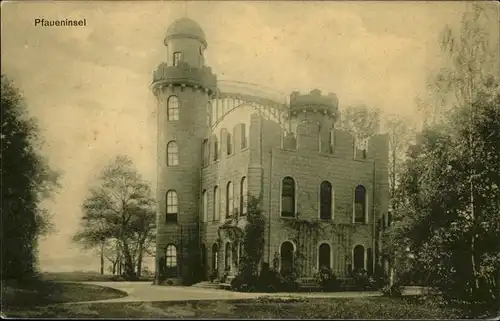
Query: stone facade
(260, 156)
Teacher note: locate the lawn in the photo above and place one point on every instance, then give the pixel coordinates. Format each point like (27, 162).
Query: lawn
(81, 276)
(266, 308)
(20, 296)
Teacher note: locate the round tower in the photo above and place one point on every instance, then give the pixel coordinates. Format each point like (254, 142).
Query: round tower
(312, 119)
(183, 86)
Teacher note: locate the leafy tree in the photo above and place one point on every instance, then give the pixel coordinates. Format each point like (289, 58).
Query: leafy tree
(450, 194)
(26, 180)
(119, 208)
(360, 121)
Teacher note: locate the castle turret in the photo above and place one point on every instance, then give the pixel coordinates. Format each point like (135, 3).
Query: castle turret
(313, 117)
(183, 86)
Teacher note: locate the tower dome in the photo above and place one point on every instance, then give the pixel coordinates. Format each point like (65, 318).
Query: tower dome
(185, 28)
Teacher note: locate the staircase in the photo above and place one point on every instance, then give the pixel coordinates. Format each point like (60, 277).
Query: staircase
(207, 285)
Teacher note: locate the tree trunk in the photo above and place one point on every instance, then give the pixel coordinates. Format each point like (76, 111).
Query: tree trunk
(102, 259)
(139, 260)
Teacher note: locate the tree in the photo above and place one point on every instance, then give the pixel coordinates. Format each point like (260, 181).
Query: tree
(119, 209)
(360, 121)
(27, 179)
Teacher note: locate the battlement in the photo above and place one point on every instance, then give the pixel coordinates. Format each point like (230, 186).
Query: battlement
(184, 74)
(314, 102)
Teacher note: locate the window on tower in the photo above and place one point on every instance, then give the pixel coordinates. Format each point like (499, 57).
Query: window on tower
(288, 197)
(172, 207)
(360, 204)
(229, 200)
(229, 143)
(172, 154)
(173, 108)
(177, 58)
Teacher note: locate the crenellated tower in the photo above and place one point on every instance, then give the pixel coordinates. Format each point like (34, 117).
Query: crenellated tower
(184, 87)
(312, 118)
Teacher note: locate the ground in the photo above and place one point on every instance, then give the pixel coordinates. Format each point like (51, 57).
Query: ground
(144, 300)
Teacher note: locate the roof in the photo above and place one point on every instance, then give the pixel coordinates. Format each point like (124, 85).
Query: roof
(185, 28)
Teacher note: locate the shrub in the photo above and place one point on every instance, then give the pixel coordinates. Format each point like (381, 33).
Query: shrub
(242, 284)
(361, 279)
(327, 279)
(394, 290)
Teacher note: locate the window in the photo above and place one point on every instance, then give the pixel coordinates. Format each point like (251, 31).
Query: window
(227, 256)
(177, 58)
(205, 206)
(324, 256)
(360, 204)
(326, 202)
(331, 142)
(172, 207)
(359, 257)
(215, 257)
(286, 258)
(244, 196)
(209, 112)
(216, 148)
(206, 156)
(171, 260)
(172, 154)
(173, 105)
(229, 143)
(288, 197)
(216, 203)
(229, 200)
(243, 136)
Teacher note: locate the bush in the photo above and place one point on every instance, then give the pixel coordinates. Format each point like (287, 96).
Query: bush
(394, 290)
(327, 279)
(361, 279)
(242, 284)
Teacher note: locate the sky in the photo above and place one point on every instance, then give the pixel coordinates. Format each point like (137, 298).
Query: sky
(89, 87)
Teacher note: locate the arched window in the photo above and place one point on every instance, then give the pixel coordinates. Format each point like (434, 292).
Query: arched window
(331, 142)
(326, 201)
(216, 204)
(360, 204)
(288, 197)
(286, 257)
(324, 255)
(229, 200)
(244, 196)
(173, 105)
(205, 206)
(229, 144)
(216, 148)
(359, 257)
(206, 156)
(172, 154)
(177, 58)
(209, 114)
(172, 207)
(215, 257)
(227, 257)
(243, 136)
(171, 260)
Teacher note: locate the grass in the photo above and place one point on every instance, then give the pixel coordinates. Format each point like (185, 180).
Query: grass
(20, 296)
(80, 276)
(265, 308)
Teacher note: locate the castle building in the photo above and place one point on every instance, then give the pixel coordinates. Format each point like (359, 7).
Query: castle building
(323, 194)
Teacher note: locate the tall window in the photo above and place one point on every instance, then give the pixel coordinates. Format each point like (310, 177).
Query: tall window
(216, 204)
(216, 148)
(215, 257)
(324, 255)
(359, 257)
(172, 154)
(206, 156)
(209, 114)
(243, 136)
(171, 260)
(227, 256)
(286, 257)
(288, 197)
(360, 204)
(205, 206)
(229, 144)
(172, 207)
(177, 58)
(173, 105)
(229, 200)
(243, 196)
(331, 142)
(326, 202)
